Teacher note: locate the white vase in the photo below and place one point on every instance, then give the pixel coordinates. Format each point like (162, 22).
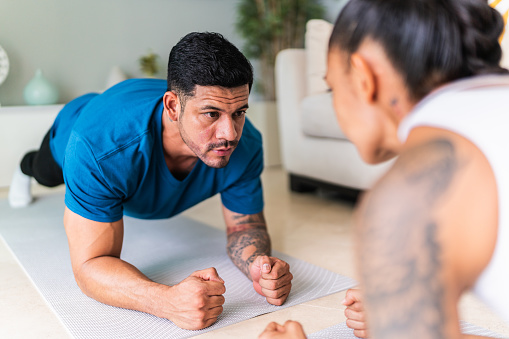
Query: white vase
(40, 91)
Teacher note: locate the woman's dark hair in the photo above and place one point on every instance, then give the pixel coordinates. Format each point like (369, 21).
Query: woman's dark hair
(430, 42)
(206, 59)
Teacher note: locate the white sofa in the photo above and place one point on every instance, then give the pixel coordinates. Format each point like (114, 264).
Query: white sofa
(314, 150)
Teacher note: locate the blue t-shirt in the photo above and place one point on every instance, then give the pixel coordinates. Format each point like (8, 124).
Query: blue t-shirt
(110, 149)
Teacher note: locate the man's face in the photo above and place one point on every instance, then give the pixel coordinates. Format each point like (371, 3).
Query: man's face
(212, 122)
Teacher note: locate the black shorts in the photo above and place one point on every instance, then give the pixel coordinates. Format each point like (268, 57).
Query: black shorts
(42, 166)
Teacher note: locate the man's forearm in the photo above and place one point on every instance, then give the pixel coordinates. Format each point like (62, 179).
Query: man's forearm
(247, 240)
(192, 304)
(250, 250)
(115, 282)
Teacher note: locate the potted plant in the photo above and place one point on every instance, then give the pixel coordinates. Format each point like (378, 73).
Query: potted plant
(148, 64)
(269, 26)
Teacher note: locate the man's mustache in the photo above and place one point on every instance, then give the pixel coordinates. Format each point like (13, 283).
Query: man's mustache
(223, 144)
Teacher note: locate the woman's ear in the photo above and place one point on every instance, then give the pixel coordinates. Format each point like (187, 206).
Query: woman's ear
(363, 78)
(171, 105)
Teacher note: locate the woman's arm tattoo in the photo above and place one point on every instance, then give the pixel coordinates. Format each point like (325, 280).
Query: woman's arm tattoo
(247, 239)
(401, 259)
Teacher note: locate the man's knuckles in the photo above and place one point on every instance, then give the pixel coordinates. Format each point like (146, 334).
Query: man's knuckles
(274, 284)
(218, 288)
(198, 303)
(216, 311)
(205, 303)
(272, 294)
(270, 284)
(277, 293)
(195, 288)
(278, 272)
(278, 301)
(219, 300)
(199, 287)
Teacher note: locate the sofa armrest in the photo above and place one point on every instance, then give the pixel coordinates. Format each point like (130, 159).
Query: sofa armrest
(290, 91)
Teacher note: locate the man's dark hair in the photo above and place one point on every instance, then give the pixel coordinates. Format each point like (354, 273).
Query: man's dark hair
(430, 42)
(206, 59)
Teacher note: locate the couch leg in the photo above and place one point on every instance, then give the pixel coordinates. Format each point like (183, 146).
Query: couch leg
(301, 185)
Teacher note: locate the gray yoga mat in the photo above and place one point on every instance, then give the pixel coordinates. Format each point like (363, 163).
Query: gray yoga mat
(167, 251)
(341, 331)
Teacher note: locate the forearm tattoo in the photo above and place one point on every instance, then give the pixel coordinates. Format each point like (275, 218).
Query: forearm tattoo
(398, 248)
(247, 240)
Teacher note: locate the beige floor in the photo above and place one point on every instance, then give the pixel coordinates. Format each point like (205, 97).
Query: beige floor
(313, 227)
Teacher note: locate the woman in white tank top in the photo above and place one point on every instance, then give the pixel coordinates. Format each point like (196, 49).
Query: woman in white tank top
(421, 79)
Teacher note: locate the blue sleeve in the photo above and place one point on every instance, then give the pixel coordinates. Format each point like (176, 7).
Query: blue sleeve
(245, 196)
(88, 192)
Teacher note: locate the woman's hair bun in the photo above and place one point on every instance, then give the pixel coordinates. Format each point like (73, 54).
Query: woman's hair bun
(480, 28)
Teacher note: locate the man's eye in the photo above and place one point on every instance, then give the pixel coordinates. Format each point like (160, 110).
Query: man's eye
(211, 114)
(240, 114)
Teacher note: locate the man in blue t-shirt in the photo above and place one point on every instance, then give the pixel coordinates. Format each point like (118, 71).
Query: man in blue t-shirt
(151, 149)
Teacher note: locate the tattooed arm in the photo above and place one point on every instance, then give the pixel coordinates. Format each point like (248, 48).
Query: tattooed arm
(250, 250)
(420, 239)
(247, 239)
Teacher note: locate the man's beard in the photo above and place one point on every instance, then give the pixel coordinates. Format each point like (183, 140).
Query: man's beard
(221, 161)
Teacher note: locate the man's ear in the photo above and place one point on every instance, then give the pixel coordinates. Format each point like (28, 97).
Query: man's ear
(171, 105)
(363, 77)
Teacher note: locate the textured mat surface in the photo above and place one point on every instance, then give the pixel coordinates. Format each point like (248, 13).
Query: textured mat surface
(167, 251)
(341, 331)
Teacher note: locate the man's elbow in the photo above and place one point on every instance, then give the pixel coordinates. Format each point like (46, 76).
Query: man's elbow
(82, 277)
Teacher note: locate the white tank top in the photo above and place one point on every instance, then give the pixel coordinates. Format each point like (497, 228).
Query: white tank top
(478, 109)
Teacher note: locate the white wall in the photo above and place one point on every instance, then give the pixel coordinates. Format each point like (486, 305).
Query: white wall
(77, 42)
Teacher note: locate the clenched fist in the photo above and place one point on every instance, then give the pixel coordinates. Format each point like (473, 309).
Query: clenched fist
(354, 312)
(271, 278)
(195, 302)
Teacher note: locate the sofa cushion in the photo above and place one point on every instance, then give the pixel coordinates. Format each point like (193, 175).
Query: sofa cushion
(318, 117)
(317, 43)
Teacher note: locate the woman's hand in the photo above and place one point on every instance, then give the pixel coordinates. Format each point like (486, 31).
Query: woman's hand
(354, 312)
(291, 330)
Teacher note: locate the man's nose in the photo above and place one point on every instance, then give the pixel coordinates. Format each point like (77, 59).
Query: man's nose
(226, 129)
